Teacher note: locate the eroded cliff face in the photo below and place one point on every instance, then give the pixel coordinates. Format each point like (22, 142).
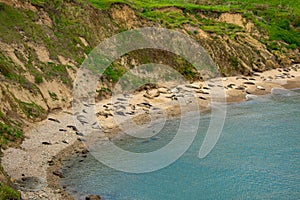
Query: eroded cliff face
(42, 47)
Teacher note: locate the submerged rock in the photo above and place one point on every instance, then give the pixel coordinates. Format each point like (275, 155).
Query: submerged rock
(93, 197)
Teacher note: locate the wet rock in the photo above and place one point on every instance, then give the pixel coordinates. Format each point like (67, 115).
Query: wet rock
(93, 197)
(84, 151)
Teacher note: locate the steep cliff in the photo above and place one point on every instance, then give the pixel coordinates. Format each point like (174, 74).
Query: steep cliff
(43, 43)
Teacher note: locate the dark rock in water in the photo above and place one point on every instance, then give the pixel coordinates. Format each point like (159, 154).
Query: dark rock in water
(85, 151)
(145, 141)
(46, 143)
(59, 174)
(93, 197)
(54, 120)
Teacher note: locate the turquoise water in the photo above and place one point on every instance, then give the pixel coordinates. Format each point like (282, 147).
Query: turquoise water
(256, 157)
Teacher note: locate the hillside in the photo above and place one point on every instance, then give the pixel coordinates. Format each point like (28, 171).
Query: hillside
(43, 43)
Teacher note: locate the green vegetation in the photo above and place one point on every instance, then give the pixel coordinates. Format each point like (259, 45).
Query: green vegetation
(10, 131)
(8, 134)
(234, 62)
(32, 110)
(145, 5)
(8, 193)
(38, 79)
(114, 72)
(280, 19)
(53, 95)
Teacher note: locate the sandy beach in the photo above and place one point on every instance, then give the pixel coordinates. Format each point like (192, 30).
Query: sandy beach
(35, 166)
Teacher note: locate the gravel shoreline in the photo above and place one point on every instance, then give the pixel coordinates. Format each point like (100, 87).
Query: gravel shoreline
(48, 143)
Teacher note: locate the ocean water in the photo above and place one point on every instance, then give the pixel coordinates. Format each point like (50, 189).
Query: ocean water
(256, 157)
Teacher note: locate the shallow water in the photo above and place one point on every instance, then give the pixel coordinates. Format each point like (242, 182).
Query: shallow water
(256, 157)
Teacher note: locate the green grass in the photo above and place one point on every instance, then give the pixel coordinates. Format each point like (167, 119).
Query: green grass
(53, 95)
(280, 19)
(8, 134)
(10, 131)
(32, 110)
(150, 4)
(8, 193)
